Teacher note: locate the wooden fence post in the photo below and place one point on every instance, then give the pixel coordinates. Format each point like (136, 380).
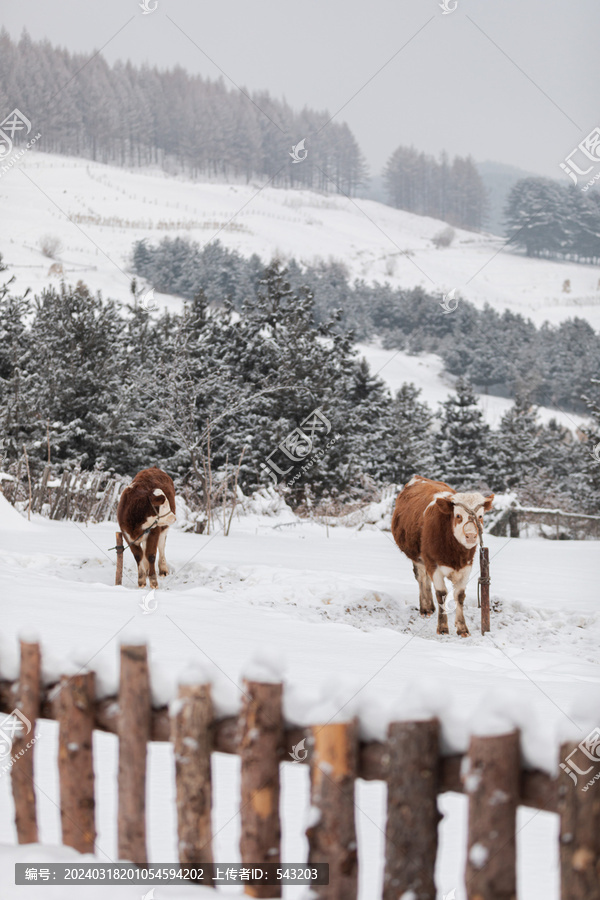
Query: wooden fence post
(28, 702)
(579, 831)
(192, 745)
(412, 813)
(120, 551)
(332, 839)
(483, 586)
(261, 747)
(135, 711)
(76, 711)
(491, 779)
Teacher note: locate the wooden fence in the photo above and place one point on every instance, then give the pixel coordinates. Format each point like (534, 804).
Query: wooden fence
(559, 524)
(79, 496)
(409, 762)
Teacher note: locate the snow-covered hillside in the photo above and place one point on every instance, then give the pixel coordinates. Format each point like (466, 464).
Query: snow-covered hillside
(98, 211)
(426, 370)
(336, 610)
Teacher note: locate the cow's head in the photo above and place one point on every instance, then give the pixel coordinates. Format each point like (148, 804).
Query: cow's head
(162, 507)
(464, 525)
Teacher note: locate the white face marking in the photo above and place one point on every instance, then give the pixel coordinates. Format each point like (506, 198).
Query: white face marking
(464, 529)
(164, 512)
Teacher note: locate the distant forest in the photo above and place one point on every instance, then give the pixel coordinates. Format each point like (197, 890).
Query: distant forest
(452, 191)
(502, 353)
(134, 116)
(554, 221)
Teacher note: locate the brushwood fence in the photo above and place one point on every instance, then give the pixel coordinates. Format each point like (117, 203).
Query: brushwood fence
(409, 762)
(75, 495)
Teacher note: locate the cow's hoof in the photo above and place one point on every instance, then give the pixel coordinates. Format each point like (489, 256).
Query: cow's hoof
(463, 632)
(163, 573)
(426, 613)
(442, 630)
(154, 582)
(141, 582)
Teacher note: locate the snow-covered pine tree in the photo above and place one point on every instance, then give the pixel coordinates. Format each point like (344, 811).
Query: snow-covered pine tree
(79, 383)
(462, 447)
(519, 446)
(412, 438)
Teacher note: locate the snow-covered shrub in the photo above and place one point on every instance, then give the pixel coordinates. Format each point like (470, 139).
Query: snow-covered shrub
(444, 237)
(50, 245)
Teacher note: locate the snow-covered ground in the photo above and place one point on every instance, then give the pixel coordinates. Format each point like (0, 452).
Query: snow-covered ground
(335, 610)
(98, 211)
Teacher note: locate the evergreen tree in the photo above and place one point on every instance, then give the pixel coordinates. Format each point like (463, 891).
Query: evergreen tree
(413, 438)
(520, 452)
(462, 451)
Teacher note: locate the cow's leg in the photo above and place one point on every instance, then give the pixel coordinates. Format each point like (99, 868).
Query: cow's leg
(163, 568)
(426, 607)
(460, 583)
(151, 547)
(139, 556)
(440, 593)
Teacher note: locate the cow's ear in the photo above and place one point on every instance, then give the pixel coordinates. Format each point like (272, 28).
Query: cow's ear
(159, 499)
(488, 503)
(445, 506)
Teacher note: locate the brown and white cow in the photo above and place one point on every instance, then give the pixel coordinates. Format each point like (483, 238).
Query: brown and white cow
(146, 509)
(436, 527)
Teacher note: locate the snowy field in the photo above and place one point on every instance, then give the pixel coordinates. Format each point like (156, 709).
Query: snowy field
(335, 610)
(98, 211)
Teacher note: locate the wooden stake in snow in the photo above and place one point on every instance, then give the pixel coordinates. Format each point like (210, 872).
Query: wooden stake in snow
(332, 839)
(28, 702)
(491, 779)
(28, 482)
(120, 550)
(412, 814)
(76, 711)
(483, 588)
(261, 747)
(579, 831)
(192, 743)
(134, 733)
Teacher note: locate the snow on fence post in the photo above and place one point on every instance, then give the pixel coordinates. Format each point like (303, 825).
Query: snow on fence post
(120, 551)
(135, 712)
(261, 747)
(28, 702)
(412, 813)
(332, 838)
(192, 744)
(483, 586)
(76, 714)
(579, 812)
(491, 775)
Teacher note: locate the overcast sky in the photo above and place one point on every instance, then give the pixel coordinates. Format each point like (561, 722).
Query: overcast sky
(508, 80)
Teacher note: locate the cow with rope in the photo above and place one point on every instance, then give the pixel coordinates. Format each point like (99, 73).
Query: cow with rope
(439, 529)
(146, 509)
